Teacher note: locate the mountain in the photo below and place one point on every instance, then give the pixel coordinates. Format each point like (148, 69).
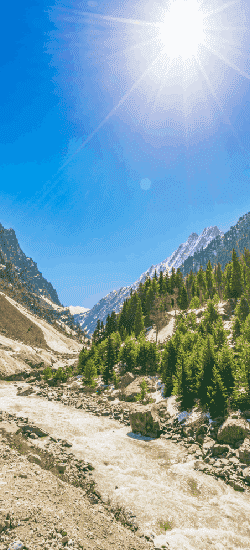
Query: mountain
(21, 280)
(219, 250)
(114, 300)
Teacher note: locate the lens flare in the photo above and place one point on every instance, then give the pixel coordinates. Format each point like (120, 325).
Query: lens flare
(182, 33)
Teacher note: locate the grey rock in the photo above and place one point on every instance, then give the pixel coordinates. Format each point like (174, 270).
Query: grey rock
(145, 420)
(246, 474)
(126, 380)
(232, 430)
(219, 449)
(244, 452)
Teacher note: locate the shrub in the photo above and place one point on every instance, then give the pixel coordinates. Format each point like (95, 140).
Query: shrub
(47, 373)
(90, 373)
(143, 393)
(61, 375)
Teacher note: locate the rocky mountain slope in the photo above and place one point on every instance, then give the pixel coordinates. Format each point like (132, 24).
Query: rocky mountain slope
(219, 250)
(21, 280)
(115, 299)
(27, 341)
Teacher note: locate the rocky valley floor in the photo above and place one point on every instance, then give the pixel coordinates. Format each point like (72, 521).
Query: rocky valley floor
(63, 493)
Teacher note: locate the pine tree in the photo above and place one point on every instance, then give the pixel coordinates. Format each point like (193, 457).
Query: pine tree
(139, 321)
(183, 298)
(179, 279)
(218, 275)
(219, 333)
(168, 366)
(242, 309)
(110, 361)
(155, 275)
(210, 279)
(210, 316)
(113, 322)
(161, 283)
(172, 280)
(225, 361)
(208, 363)
(217, 397)
(235, 284)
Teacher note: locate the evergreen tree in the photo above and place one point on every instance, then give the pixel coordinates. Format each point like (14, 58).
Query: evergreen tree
(90, 372)
(219, 333)
(242, 309)
(217, 397)
(236, 277)
(183, 298)
(172, 280)
(139, 321)
(208, 363)
(161, 283)
(128, 354)
(110, 361)
(179, 279)
(168, 366)
(155, 276)
(210, 279)
(225, 361)
(218, 279)
(210, 316)
(113, 322)
(236, 328)
(167, 283)
(246, 328)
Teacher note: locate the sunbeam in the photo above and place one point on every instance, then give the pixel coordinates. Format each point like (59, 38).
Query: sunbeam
(119, 104)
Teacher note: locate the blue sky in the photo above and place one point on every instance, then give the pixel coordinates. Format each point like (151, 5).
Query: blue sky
(115, 145)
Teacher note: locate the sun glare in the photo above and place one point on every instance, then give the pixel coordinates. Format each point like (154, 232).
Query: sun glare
(182, 32)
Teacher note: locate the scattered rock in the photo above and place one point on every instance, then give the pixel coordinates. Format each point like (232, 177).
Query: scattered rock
(246, 474)
(244, 452)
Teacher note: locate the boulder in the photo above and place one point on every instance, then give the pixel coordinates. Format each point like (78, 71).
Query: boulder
(246, 474)
(219, 449)
(129, 393)
(232, 430)
(126, 380)
(208, 445)
(145, 420)
(28, 428)
(27, 391)
(244, 452)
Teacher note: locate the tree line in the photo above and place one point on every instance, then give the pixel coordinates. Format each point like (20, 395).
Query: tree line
(197, 362)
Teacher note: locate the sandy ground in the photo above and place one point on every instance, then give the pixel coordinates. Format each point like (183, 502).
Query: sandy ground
(42, 511)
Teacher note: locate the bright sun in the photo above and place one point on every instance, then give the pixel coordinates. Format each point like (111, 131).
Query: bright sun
(182, 32)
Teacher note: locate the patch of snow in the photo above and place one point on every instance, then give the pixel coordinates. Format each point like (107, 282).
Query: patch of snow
(75, 310)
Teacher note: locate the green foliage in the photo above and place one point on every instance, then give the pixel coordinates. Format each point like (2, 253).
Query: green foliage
(61, 375)
(147, 357)
(47, 373)
(142, 396)
(195, 303)
(183, 298)
(128, 354)
(217, 396)
(225, 362)
(139, 321)
(242, 309)
(246, 328)
(109, 360)
(236, 328)
(219, 333)
(116, 380)
(208, 363)
(90, 372)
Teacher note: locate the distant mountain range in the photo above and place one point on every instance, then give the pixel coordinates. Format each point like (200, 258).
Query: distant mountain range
(115, 299)
(20, 278)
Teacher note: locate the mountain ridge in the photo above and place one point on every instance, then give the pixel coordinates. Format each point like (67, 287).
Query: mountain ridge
(115, 299)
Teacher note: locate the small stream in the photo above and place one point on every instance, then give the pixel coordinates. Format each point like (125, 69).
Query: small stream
(152, 477)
